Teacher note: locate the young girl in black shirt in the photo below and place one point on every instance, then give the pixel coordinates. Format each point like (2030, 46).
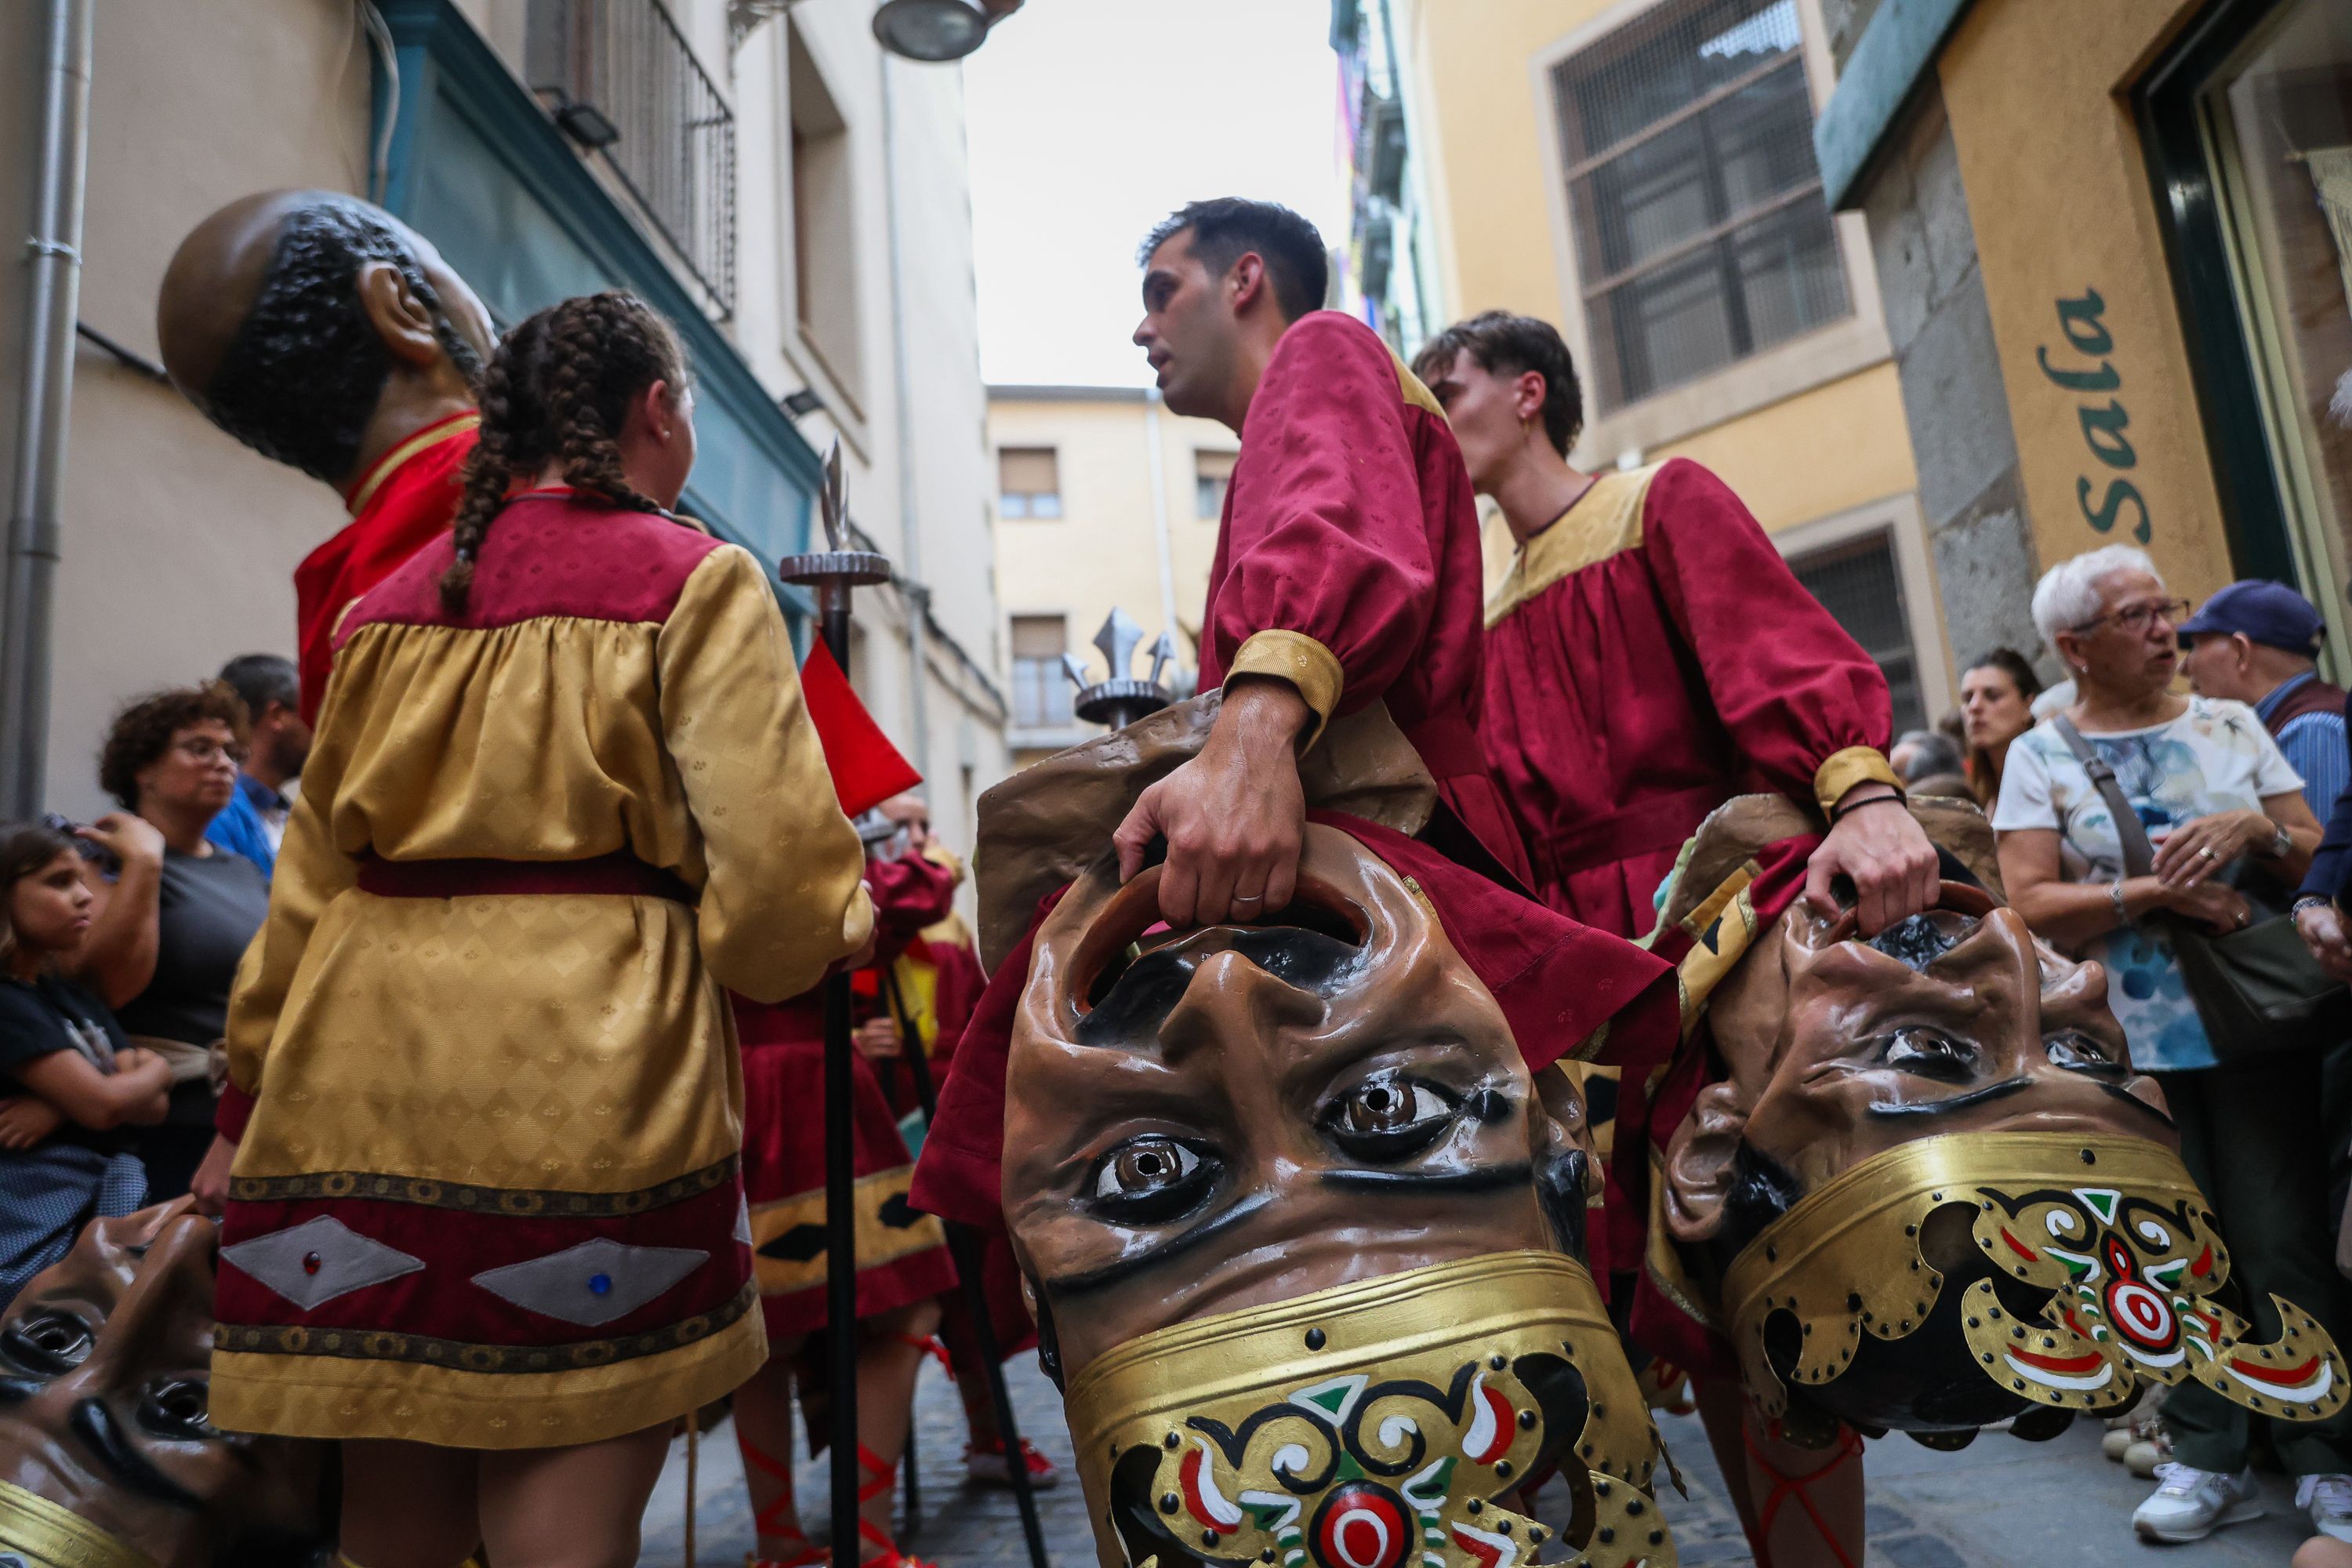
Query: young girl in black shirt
(77, 1081)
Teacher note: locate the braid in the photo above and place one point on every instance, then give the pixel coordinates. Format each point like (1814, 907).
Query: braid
(558, 389)
(490, 469)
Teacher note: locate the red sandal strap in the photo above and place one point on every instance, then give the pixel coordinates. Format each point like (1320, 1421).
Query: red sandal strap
(779, 1518)
(1785, 1487)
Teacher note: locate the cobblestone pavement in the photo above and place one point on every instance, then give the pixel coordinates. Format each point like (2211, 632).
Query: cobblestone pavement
(1999, 1503)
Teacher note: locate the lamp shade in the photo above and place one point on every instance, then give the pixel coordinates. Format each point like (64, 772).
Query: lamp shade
(935, 30)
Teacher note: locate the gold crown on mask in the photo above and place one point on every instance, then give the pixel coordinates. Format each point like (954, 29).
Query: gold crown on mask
(1373, 1425)
(44, 1534)
(2113, 1229)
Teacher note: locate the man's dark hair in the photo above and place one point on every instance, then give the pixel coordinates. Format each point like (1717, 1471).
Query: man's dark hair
(262, 679)
(301, 378)
(1504, 344)
(1230, 228)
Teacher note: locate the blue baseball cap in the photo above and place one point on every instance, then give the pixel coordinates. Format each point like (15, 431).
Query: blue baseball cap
(2263, 611)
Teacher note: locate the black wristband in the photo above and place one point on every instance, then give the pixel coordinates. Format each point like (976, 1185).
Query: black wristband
(1843, 812)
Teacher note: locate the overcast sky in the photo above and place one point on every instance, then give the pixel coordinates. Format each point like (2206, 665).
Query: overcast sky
(1091, 119)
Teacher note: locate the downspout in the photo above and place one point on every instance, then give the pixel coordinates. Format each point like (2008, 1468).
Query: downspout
(1158, 460)
(916, 594)
(53, 295)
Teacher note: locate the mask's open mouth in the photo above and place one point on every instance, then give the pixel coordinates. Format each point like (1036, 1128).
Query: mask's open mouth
(1131, 963)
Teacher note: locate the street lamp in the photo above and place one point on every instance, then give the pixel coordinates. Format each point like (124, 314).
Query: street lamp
(933, 30)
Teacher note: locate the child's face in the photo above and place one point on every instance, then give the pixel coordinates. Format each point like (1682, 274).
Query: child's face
(50, 907)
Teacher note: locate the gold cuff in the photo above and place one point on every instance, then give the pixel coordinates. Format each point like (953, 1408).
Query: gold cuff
(1309, 666)
(1855, 765)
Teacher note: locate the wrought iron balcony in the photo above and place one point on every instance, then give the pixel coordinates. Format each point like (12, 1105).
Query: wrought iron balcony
(619, 77)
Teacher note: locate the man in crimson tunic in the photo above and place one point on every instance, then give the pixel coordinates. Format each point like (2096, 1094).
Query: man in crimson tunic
(1347, 568)
(325, 334)
(1649, 657)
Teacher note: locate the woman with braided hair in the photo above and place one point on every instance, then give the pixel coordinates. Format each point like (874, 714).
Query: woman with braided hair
(480, 1151)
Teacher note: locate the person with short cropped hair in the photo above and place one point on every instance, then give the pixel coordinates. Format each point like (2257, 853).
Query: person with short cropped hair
(253, 824)
(1348, 569)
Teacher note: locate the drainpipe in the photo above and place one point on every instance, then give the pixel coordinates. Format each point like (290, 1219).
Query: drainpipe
(52, 296)
(1157, 458)
(915, 595)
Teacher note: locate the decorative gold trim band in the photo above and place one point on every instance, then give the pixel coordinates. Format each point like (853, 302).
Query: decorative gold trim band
(511, 1202)
(462, 1355)
(52, 1536)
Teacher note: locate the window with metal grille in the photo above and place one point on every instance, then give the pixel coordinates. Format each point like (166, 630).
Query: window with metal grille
(1028, 483)
(1701, 233)
(1041, 692)
(1858, 583)
(1211, 473)
(623, 84)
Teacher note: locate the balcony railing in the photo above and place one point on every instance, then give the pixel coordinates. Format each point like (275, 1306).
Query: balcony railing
(619, 77)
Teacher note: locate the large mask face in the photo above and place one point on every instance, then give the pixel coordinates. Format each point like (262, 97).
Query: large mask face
(106, 1458)
(1932, 1192)
(1295, 1213)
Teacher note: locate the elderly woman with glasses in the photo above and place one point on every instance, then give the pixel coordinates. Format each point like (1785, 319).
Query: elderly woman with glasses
(2211, 791)
(173, 919)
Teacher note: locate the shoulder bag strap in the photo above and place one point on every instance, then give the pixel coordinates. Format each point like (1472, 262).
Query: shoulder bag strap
(2139, 856)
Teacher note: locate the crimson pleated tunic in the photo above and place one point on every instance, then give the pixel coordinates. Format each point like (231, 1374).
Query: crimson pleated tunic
(1349, 562)
(1650, 656)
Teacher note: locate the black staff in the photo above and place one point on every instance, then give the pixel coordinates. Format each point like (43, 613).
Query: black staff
(833, 573)
(964, 1247)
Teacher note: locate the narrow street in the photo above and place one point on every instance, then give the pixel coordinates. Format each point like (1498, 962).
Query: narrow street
(2000, 1503)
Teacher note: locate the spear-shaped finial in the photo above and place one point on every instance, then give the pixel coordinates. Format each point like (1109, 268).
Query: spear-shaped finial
(833, 499)
(1162, 652)
(1117, 640)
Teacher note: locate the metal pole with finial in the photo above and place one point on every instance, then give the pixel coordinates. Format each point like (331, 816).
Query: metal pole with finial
(833, 573)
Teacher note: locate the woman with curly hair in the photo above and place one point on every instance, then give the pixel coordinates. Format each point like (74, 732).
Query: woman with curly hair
(167, 931)
(480, 1151)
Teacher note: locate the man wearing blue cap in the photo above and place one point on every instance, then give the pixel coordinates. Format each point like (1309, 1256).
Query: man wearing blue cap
(2258, 643)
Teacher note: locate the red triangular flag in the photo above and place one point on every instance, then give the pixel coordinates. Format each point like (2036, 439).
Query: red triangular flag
(867, 768)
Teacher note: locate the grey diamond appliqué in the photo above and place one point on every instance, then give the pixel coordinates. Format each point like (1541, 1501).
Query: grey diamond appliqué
(566, 1284)
(319, 1260)
(743, 1222)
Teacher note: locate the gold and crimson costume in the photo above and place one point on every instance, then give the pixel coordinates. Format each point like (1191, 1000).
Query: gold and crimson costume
(483, 1075)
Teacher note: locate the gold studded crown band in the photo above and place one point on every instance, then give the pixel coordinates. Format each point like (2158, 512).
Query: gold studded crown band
(2112, 1229)
(1373, 1425)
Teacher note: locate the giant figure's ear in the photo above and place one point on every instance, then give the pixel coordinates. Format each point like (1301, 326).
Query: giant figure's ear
(398, 316)
(1699, 1161)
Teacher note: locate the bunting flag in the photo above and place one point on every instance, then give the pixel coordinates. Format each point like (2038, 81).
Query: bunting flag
(867, 768)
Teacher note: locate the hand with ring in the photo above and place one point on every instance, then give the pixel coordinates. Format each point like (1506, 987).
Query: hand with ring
(2197, 851)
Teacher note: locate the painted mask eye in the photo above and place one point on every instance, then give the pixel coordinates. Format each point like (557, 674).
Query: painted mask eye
(2072, 1048)
(1930, 1053)
(176, 1408)
(1390, 1116)
(46, 1341)
(1149, 1179)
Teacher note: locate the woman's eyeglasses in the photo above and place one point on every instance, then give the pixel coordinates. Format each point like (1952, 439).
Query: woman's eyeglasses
(205, 753)
(2133, 618)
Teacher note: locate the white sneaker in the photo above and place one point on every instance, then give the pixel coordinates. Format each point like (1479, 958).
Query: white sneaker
(2329, 1498)
(2191, 1504)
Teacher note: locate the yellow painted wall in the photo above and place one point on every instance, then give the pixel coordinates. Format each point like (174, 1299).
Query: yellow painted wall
(1104, 551)
(1482, 118)
(2038, 96)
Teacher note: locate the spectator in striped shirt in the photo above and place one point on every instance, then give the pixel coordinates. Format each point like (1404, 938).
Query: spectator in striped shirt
(2258, 643)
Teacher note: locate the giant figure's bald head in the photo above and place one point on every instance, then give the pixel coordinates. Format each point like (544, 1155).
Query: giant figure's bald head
(299, 320)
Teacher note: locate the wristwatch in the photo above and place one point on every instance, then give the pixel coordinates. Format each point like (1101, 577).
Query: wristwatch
(2282, 842)
(2310, 901)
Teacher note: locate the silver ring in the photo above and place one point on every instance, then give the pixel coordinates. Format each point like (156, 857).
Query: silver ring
(2244, 920)
(2209, 854)
(1252, 899)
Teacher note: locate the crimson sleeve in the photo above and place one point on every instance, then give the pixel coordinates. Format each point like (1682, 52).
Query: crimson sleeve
(1806, 708)
(1329, 582)
(909, 893)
